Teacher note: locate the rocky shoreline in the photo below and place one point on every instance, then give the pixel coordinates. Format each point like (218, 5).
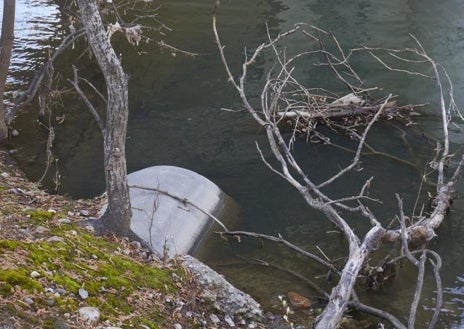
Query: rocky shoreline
(47, 296)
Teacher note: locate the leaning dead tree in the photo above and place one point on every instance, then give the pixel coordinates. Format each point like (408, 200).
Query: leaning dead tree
(285, 100)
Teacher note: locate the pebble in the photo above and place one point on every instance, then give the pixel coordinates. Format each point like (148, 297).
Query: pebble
(55, 239)
(84, 213)
(136, 244)
(91, 314)
(177, 326)
(35, 274)
(5, 174)
(298, 301)
(229, 321)
(214, 318)
(90, 228)
(14, 133)
(83, 293)
(24, 231)
(28, 300)
(13, 151)
(40, 230)
(64, 221)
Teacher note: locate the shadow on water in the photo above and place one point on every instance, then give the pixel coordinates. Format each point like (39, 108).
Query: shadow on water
(175, 119)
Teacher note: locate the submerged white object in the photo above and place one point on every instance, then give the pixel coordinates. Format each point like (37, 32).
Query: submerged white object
(348, 100)
(170, 225)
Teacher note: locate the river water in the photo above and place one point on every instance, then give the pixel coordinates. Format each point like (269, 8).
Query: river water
(175, 119)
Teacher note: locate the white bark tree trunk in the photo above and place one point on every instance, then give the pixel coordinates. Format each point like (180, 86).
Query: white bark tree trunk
(118, 213)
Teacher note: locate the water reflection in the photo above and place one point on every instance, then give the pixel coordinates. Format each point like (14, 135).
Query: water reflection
(175, 119)
(36, 27)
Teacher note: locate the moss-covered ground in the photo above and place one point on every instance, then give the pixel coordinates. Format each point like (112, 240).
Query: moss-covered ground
(50, 267)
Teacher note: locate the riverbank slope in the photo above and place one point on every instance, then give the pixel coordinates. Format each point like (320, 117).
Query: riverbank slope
(55, 274)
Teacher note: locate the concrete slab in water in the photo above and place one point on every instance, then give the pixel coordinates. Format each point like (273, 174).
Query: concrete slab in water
(162, 220)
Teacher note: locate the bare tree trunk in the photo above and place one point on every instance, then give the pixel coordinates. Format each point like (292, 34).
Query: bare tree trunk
(118, 213)
(6, 45)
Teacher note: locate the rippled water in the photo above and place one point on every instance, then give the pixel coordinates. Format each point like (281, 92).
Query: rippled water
(176, 119)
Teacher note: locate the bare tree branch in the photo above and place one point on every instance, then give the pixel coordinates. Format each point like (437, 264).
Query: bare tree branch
(96, 116)
(37, 80)
(283, 97)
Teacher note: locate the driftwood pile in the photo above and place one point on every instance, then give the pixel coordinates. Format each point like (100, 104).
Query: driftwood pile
(351, 110)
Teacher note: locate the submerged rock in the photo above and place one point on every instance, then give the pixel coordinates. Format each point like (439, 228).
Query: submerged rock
(298, 301)
(228, 299)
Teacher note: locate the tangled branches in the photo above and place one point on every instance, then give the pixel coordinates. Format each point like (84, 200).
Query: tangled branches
(285, 99)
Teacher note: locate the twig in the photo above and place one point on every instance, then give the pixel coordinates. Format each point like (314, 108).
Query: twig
(281, 240)
(36, 81)
(86, 101)
(184, 201)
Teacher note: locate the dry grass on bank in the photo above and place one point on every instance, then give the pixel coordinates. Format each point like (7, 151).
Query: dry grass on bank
(50, 268)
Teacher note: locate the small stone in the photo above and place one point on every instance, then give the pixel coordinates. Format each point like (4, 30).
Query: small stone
(214, 318)
(35, 274)
(84, 213)
(252, 325)
(67, 315)
(5, 174)
(49, 290)
(40, 230)
(51, 302)
(91, 314)
(298, 301)
(28, 300)
(55, 239)
(13, 151)
(94, 256)
(229, 321)
(90, 228)
(53, 211)
(177, 326)
(14, 133)
(64, 221)
(83, 293)
(61, 291)
(24, 231)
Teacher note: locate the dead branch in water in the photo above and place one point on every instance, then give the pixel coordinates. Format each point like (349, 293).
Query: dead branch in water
(284, 98)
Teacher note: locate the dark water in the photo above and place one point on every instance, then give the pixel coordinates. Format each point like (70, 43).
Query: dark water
(175, 119)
